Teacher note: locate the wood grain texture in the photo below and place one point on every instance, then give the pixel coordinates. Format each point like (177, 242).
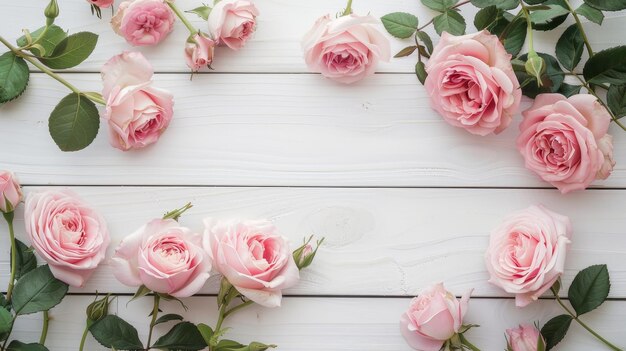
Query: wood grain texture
(379, 241)
(341, 324)
(277, 130)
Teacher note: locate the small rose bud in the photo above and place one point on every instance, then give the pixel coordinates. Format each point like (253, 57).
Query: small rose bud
(535, 66)
(10, 191)
(51, 12)
(98, 309)
(304, 255)
(257, 346)
(199, 51)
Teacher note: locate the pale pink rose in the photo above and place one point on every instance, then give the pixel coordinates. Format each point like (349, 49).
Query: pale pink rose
(199, 52)
(101, 3)
(433, 317)
(526, 253)
(253, 257)
(165, 257)
(68, 234)
(232, 22)
(137, 112)
(563, 140)
(346, 49)
(143, 22)
(524, 338)
(10, 191)
(471, 83)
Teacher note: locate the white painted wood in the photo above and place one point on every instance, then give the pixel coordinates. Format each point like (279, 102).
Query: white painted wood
(379, 241)
(276, 130)
(276, 45)
(312, 324)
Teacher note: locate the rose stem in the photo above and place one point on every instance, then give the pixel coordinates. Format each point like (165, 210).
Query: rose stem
(348, 10)
(4, 345)
(592, 92)
(580, 27)
(47, 71)
(9, 218)
(237, 308)
(575, 317)
(44, 329)
(155, 312)
(466, 342)
(453, 7)
(83, 339)
(182, 17)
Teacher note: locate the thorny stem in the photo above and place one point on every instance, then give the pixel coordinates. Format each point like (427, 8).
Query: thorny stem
(155, 312)
(580, 27)
(193, 30)
(453, 7)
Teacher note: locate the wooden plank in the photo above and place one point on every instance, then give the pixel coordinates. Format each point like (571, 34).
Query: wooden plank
(379, 241)
(328, 323)
(276, 130)
(276, 45)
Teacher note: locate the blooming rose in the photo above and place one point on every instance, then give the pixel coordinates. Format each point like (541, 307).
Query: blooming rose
(143, 22)
(10, 191)
(163, 256)
(137, 113)
(101, 3)
(199, 52)
(526, 253)
(434, 316)
(565, 140)
(252, 257)
(346, 49)
(471, 83)
(232, 22)
(524, 338)
(69, 235)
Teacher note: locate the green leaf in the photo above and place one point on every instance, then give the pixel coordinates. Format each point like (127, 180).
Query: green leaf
(515, 36)
(228, 345)
(50, 40)
(569, 47)
(591, 13)
(544, 16)
(616, 99)
(501, 4)
(183, 336)
(114, 332)
(420, 71)
(589, 289)
(141, 292)
(425, 38)
(202, 12)
(20, 346)
(71, 51)
(552, 79)
(485, 17)
(555, 21)
(14, 76)
(439, 5)
(451, 22)
(406, 51)
(554, 331)
(206, 332)
(568, 90)
(6, 319)
(25, 259)
(37, 291)
(607, 5)
(74, 122)
(168, 317)
(607, 66)
(534, 2)
(400, 24)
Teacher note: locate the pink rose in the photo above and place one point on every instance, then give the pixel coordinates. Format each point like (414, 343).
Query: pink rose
(232, 22)
(199, 52)
(524, 338)
(143, 22)
(346, 49)
(564, 140)
(101, 3)
(252, 257)
(434, 316)
(163, 256)
(69, 235)
(137, 113)
(526, 253)
(471, 83)
(11, 192)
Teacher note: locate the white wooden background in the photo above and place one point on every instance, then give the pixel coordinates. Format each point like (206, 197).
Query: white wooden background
(403, 199)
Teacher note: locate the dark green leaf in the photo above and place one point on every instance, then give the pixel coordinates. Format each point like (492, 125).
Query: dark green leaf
(6, 319)
(37, 291)
(554, 331)
(206, 332)
(183, 336)
(406, 51)
(141, 292)
(423, 52)
(551, 79)
(71, 51)
(515, 36)
(50, 40)
(451, 22)
(501, 4)
(74, 122)
(554, 22)
(485, 17)
(114, 332)
(20, 346)
(425, 38)
(400, 24)
(420, 71)
(616, 99)
(14, 76)
(228, 345)
(439, 5)
(589, 289)
(3, 301)
(569, 48)
(169, 317)
(534, 2)
(568, 90)
(607, 66)
(607, 5)
(25, 258)
(591, 13)
(544, 16)
(202, 12)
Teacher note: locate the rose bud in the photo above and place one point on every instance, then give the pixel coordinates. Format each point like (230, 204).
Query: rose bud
(143, 22)
(232, 22)
(98, 309)
(524, 338)
(304, 255)
(11, 192)
(199, 51)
